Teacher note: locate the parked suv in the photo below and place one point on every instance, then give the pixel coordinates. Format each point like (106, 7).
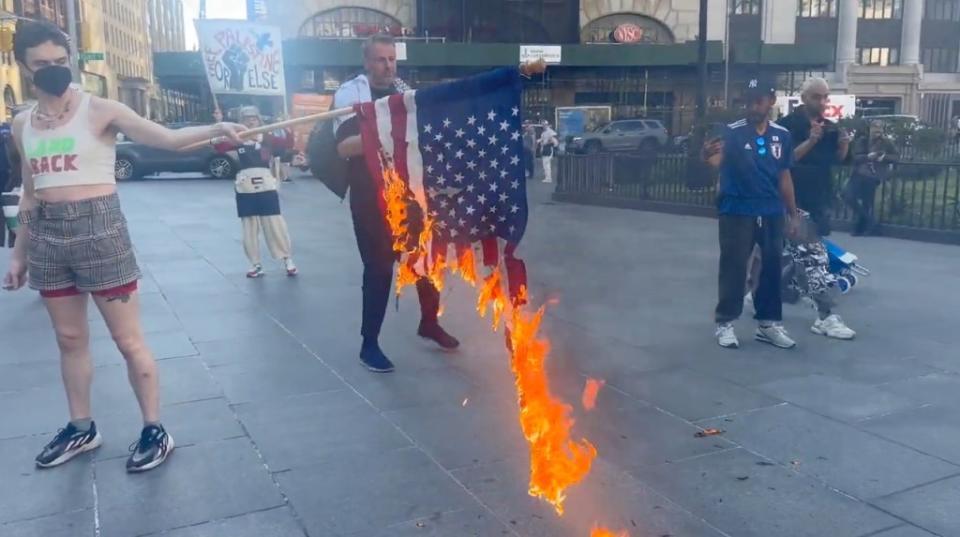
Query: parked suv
(137, 160)
(624, 135)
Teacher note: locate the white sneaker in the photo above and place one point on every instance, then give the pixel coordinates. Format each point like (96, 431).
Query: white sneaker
(255, 271)
(775, 335)
(834, 327)
(291, 268)
(726, 337)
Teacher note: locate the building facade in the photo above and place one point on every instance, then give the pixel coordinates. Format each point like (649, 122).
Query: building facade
(10, 81)
(638, 56)
(128, 52)
(166, 25)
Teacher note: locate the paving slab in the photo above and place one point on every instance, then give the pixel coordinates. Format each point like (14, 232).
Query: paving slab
(632, 435)
(189, 423)
(29, 492)
(38, 411)
(689, 394)
(608, 497)
(247, 381)
(173, 343)
(403, 485)
(464, 523)
(902, 531)
(70, 524)
(931, 429)
(838, 398)
(182, 380)
(931, 507)
(201, 483)
(332, 424)
(850, 460)
(937, 389)
(738, 493)
(279, 522)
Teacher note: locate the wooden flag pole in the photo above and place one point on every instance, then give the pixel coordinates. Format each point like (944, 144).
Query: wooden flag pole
(313, 118)
(527, 69)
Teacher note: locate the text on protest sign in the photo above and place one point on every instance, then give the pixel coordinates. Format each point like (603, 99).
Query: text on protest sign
(242, 57)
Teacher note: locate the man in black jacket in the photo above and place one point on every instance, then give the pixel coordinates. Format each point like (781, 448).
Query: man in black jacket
(819, 145)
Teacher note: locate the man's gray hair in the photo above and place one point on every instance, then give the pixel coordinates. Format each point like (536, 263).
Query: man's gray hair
(814, 83)
(377, 39)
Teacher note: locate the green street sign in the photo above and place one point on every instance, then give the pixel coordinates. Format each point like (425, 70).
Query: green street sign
(92, 56)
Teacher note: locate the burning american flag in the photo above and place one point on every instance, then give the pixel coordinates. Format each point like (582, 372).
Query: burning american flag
(450, 159)
(458, 149)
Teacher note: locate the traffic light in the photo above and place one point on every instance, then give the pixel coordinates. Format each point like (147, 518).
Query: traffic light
(6, 39)
(86, 36)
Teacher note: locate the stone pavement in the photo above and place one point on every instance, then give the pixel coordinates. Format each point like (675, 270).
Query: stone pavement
(282, 434)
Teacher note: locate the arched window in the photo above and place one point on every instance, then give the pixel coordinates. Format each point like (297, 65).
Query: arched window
(350, 22)
(626, 28)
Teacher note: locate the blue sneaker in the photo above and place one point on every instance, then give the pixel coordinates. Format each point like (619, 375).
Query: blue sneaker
(373, 359)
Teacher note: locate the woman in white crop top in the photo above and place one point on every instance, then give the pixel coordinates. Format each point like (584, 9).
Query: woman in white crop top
(75, 239)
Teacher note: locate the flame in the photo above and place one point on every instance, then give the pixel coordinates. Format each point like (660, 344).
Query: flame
(467, 266)
(406, 276)
(492, 294)
(590, 392)
(396, 194)
(604, 532)
(437, 271)
(556, 461)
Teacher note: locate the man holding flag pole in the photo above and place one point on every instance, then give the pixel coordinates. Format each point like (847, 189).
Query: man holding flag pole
(366, 202)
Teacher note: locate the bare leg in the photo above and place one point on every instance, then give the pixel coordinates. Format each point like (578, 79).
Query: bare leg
(69, 318)
(122, 315)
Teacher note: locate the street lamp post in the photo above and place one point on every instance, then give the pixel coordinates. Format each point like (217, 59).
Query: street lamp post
(701, 111)
(72, 32)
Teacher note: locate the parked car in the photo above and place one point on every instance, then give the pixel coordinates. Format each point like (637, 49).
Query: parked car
(623, 135)
(682, 143)
(137, 160)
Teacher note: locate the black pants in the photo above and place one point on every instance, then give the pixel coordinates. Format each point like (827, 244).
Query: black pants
(529, 161)
(814, 191)
(376, 251)
(738, 234)
(860, 194)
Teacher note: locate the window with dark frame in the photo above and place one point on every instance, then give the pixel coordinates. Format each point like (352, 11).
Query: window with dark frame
(878, 56)
(745, 7)
(815, 9)
(940, 60)
(942, 10)
(881, 9)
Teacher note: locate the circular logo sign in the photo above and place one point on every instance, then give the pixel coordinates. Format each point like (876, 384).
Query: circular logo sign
(628, 33)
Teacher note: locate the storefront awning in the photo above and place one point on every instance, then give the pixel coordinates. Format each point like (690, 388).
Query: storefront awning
(313, 53)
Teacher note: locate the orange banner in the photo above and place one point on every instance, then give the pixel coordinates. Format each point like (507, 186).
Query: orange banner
(305, 104)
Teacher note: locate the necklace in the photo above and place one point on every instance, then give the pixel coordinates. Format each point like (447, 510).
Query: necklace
(49, 119)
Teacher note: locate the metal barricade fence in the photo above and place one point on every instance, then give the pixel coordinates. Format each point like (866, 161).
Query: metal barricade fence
(919, 196)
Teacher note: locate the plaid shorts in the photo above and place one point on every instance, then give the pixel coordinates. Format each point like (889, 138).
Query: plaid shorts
(82, 245)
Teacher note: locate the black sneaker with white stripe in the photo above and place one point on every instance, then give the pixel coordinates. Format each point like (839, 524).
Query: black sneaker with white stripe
(154, 446)
(69, 443)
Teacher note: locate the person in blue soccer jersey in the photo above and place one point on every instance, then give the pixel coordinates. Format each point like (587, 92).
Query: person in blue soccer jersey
(755, 203)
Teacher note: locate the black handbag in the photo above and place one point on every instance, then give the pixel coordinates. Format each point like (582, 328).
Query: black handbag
(325, 163)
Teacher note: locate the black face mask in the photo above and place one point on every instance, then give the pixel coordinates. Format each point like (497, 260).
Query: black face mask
(53, 79)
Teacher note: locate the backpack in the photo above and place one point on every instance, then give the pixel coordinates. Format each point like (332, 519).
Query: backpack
(325, 163)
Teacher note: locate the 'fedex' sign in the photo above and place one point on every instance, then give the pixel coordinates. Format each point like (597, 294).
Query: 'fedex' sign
(838, 106)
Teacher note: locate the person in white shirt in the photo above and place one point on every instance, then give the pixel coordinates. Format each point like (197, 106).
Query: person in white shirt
(548, 145)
